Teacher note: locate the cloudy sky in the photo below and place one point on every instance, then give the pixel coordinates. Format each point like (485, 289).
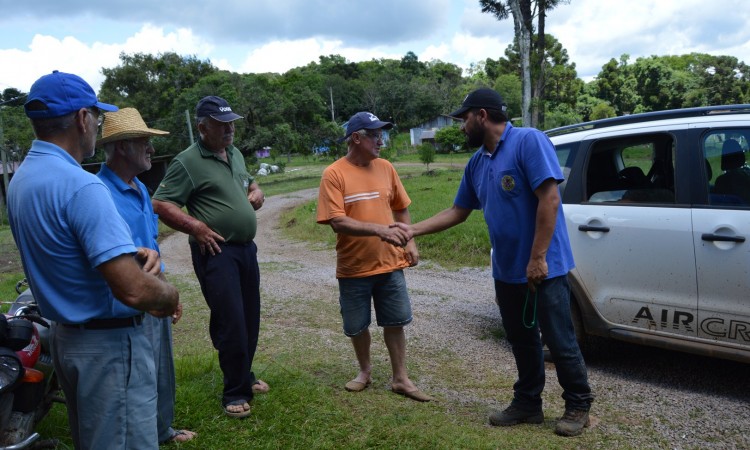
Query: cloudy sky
(82, 36)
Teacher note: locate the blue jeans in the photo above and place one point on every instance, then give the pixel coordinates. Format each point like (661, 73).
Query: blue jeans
(553, 319)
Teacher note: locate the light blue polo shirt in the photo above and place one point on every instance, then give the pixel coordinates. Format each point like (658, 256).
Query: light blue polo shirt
(502, 185)
(134, 206)
(65, 224)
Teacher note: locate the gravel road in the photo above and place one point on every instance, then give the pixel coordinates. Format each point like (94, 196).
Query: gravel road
(652, 398)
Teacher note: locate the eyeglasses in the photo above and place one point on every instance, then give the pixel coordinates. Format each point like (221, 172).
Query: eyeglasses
(98, 114)
(375, 136)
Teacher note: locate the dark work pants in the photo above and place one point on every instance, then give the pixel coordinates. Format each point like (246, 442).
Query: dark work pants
(230, 282)
(554, 320)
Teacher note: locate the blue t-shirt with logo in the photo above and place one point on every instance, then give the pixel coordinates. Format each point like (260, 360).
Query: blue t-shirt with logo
(502, 185)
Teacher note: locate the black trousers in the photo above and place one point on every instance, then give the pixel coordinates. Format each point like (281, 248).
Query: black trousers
(230, 282)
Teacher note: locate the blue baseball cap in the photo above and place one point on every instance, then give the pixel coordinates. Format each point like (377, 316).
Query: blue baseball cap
(364, 120)
(62, 93)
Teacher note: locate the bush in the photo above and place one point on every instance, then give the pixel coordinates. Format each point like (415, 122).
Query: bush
(426, 154)
(387, 153)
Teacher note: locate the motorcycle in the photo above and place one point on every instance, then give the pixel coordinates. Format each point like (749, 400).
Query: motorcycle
(28, 385)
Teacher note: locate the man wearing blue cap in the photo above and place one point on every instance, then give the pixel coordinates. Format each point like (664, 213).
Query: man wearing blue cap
(210, 178)
(360, 195)
(513, 179)
(85, 272)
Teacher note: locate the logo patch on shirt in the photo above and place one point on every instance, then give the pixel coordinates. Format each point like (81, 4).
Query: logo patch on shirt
(508, 183)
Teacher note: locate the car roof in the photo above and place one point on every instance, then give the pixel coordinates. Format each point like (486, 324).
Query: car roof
(655, 118)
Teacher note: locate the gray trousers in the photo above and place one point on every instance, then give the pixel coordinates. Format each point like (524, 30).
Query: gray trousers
(159, 333)
(109, 382)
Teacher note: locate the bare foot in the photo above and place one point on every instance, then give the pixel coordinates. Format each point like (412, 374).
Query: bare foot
(182, 436)
(260, 387)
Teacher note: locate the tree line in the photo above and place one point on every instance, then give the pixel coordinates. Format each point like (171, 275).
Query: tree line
(303, 108)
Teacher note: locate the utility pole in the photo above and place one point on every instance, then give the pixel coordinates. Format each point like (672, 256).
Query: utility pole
(330, 92)
(189, 125)
(5, 170)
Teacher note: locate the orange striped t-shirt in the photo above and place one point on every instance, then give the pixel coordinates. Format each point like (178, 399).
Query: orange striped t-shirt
(368, 194)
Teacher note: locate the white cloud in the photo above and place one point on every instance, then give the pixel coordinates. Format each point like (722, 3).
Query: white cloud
(152, 39)
(441, 52)
(277, 35)
(280, 56)
(47, 53)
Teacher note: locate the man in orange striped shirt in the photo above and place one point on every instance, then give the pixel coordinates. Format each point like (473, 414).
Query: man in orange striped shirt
(360, 196)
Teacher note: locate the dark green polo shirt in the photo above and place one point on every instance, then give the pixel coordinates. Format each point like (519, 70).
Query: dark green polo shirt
(214, 191)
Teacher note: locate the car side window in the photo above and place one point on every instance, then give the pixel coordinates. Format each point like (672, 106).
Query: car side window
(633, 170)
(565, 156)
(727, 171)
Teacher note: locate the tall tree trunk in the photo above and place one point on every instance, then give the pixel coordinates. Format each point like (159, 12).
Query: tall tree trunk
(524, 44)
(537, 118)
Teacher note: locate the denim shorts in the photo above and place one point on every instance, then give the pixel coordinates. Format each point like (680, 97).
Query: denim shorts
(389, 295)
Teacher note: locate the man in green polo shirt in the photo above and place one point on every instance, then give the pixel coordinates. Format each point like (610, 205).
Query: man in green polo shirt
(210, 178)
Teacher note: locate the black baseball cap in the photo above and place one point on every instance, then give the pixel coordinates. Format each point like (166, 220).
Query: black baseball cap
(216, 108)
(481, 98)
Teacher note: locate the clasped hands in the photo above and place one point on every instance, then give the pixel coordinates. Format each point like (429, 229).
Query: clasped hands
(398, 234)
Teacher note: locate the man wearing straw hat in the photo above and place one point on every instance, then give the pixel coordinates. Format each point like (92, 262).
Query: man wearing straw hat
(127, 145)
(83, 269)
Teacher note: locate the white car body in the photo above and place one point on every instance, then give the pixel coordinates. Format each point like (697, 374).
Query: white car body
(662, 258)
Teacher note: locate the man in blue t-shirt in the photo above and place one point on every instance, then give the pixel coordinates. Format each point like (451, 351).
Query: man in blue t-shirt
(86, 273)
(126, 141)
(513, 179)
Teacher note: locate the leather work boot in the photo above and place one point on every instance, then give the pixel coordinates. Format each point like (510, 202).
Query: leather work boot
(572, 422)
(513, 415)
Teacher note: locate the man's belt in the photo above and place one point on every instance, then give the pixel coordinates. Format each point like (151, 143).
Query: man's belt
(107, 324)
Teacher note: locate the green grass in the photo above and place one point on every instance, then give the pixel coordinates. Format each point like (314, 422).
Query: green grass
(465, 245)
(306, 360)
(304, 173)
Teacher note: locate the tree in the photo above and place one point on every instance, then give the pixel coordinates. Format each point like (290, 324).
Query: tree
(15, 129)
(602, 110)
(523, 12)
(152, 84)
(522, 25)
(426, 154)
(509, 85)
(450, 138)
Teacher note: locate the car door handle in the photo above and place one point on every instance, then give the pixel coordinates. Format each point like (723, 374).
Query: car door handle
(593, 228)
(720, 238)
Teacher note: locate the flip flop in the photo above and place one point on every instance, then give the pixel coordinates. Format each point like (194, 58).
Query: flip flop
(238, 414)
(416, 394)
(357, 386)
(260, 387)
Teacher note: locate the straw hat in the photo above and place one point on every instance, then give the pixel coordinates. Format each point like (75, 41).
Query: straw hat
(126, 123)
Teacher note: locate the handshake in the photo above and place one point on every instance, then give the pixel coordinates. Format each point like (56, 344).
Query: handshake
(397, 234)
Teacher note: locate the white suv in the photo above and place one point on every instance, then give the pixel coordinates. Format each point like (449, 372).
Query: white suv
(658, 212)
